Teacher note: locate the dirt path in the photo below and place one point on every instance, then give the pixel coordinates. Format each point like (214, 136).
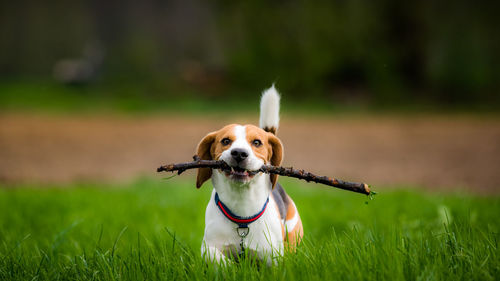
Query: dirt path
(429, 152)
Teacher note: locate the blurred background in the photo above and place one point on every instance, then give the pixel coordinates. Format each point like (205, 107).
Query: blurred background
(391, 93)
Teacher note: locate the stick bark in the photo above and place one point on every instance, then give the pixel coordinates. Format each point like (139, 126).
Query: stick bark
(269, 169)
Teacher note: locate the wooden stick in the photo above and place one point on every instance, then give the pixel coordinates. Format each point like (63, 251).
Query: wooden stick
(282, 171)
(197, 163)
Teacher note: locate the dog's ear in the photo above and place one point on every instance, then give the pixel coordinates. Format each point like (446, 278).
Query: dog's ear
(204, 152)
(276, 155)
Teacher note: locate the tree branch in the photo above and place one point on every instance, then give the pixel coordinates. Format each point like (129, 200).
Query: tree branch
(269, 169)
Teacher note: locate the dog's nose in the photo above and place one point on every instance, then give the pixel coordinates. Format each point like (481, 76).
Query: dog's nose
(239, 154)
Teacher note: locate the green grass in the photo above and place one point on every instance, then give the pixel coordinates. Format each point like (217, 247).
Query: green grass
(50, 97)
(152, 230)
(45, 96)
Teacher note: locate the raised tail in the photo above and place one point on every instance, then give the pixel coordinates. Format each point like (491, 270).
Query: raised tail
(270, 110)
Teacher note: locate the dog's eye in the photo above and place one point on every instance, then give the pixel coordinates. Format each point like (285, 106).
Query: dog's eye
(256, 143)
(225, 141)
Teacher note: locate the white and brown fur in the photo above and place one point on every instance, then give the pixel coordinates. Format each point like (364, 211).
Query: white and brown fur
(280, 227)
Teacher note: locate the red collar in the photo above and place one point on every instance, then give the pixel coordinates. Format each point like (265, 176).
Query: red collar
(242, 222)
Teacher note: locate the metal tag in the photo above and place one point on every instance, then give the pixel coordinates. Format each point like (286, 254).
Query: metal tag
(242, 231)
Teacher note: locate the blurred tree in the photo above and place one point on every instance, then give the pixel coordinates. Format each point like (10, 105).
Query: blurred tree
(348, 50)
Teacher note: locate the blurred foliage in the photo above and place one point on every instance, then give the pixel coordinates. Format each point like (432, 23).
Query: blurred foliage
(348, 52)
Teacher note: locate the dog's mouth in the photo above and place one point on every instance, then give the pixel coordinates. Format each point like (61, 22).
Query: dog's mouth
(240, 174)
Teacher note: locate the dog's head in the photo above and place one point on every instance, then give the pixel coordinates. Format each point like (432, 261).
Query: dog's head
(243, 147)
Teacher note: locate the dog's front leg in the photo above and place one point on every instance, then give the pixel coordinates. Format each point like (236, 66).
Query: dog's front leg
(213, 254)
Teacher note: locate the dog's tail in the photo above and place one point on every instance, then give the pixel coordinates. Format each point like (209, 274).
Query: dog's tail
(270, 110)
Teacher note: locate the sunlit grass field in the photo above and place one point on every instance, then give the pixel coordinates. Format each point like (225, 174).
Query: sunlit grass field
(152, 230)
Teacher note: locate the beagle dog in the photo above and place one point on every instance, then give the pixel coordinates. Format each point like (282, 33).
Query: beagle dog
(249, 212)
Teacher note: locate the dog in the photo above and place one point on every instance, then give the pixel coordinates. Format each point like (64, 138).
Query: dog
(249, 213)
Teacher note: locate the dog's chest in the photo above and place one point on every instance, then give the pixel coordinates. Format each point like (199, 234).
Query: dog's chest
(263, 234)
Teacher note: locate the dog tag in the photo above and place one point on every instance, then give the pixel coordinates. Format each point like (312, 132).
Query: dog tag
(242, 231)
